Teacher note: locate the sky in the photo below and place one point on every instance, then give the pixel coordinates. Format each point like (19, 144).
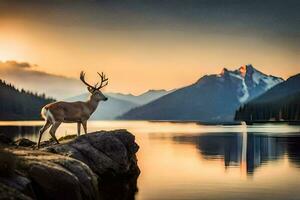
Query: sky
(143, 45)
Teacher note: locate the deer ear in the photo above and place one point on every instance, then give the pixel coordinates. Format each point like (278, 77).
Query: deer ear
(90, 89)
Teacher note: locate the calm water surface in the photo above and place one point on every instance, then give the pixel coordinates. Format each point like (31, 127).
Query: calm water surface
(191, 161)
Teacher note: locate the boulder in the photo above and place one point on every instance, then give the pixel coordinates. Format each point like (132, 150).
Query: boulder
(23, 142)
(7, 192)
(53, 176)
(78, 168)
(108, 153)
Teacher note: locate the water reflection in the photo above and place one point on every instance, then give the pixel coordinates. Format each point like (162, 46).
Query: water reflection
(191, 161)
(293, 150)
(14, 132)
(246, 150)
(121, 189)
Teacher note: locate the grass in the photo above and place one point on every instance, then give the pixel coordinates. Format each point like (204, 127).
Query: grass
(67, 137)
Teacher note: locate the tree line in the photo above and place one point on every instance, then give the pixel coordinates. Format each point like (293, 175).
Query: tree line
(20, 104)
(282, 109)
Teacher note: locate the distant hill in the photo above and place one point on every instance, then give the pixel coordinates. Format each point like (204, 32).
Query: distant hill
(282, 102)
(109, 109)
(141, 99)
(213, 98)
(119, 103)
(20, 104)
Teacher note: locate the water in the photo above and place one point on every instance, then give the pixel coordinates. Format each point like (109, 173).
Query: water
(191, 161)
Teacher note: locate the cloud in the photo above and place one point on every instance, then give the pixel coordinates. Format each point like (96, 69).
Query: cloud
(15, 64)
(24, 75)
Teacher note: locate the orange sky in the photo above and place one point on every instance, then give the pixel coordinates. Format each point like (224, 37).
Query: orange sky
(136, 60)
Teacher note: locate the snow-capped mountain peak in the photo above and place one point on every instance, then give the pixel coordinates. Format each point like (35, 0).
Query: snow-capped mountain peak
(224, 70)
(249, 81)
(213, 97)
(243, 70)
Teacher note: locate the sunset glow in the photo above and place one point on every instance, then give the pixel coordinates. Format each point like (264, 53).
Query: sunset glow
(150, 99)
(162, 54)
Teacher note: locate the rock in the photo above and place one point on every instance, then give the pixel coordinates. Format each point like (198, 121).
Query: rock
(7, 192)
(8, 163)
(21, 183)
(23, 142)
(75, 169)
(107, 153)
(54, 176)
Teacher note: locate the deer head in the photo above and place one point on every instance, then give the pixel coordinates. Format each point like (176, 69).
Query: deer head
(95, 90)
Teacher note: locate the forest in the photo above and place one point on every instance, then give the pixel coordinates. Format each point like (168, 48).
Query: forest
(286, 108)
(20, 104)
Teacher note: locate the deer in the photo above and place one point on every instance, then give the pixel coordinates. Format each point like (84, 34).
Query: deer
(73, 112)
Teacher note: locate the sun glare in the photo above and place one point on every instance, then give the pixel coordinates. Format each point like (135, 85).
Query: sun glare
(14, 45)
(11, 50)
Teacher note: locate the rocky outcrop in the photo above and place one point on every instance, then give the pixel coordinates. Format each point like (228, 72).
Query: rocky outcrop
(75, 169)
(24, 142)
(107, 153)
(7, 192)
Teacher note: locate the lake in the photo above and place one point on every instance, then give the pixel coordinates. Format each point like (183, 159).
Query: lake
(192, 161)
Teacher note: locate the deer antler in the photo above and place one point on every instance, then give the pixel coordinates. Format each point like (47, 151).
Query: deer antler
(104, 81)
(82, 74)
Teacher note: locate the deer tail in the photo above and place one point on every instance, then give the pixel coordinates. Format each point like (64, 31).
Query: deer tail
(47, 115)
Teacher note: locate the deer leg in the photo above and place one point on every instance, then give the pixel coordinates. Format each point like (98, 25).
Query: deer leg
(84, 124)
(78, 128)
(53, 130)
(42, 130)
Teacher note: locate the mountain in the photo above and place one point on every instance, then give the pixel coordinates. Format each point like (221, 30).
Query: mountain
(119, 103)
(20, 104)
(284, 89)
(213, 98)
(282, 102)
(142, 99)
(107, 110)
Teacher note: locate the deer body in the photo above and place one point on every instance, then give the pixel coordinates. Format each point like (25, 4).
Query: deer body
(72, 112)
(69, 112)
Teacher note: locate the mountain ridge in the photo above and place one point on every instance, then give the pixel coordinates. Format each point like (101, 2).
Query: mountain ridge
(119, 103)
(143, 98)
(213, 97)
